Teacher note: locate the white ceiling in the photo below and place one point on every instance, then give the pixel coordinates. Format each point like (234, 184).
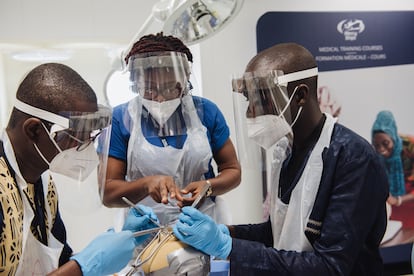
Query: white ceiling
(57, 21)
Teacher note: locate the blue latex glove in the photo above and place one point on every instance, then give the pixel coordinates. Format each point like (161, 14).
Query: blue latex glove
(106, 254)
(223, 228)
(201, 232)
(137, 222)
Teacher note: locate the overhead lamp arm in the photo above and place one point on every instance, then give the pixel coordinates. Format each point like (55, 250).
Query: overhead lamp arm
(189, 20)
(160, 11)
(140, 32)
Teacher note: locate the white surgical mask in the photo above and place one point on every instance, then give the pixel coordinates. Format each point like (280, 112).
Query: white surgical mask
(266, 130)
(161, 111)
(77, 165)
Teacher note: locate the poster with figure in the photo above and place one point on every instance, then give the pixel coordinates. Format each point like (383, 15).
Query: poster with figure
(366, 63)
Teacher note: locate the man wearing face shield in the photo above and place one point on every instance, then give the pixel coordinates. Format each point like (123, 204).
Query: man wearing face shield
(164, 140)
(54, 127)
(328, 188)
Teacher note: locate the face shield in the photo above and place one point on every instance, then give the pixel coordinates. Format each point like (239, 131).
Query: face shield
(262, 115)
(266, 91)
(82, 141)
(161, 79)
(159, 76)
(261, 102)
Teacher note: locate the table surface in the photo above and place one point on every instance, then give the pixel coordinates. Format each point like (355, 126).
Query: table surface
(405, 235)
(396, 253)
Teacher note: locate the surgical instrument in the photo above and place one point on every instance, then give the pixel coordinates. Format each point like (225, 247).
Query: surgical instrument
(127, 201)
(147, 231)
(204, 192)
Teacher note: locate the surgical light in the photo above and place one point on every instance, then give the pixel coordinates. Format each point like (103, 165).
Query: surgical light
(189, 20)
(193, 21)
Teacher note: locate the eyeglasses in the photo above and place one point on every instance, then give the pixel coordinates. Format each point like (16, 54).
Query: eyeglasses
(170, 90)
(61, 139)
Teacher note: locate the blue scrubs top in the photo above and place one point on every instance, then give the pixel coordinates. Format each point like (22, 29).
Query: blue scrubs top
(211, 117)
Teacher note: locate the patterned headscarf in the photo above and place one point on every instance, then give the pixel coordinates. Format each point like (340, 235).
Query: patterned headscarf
(385, 123)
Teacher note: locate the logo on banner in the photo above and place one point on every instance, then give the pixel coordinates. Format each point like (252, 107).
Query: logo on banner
(350, 28)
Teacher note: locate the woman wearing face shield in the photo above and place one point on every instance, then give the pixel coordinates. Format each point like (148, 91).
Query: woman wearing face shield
(327, 186)
(164, 140)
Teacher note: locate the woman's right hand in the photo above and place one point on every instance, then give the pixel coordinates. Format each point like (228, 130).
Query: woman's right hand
(162, 186)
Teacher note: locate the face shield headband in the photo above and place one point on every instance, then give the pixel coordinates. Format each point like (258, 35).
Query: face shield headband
(74, 121)
(266, 92)
(159, 76)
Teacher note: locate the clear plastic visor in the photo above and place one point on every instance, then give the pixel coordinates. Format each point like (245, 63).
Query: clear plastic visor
(74, 129)
(159, 76)
(263, 93)
(255, 94)
(83, 128)
(266, 91)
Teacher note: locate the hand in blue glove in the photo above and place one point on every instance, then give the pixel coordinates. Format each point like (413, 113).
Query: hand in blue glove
(223, 228)
(106, 254)
(137, 222)
(202, 233)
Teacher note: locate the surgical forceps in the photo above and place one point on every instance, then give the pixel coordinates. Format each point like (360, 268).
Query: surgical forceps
(147, 231)
(204, 193)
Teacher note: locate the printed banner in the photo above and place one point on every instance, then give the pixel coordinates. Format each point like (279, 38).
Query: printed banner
(343, 40)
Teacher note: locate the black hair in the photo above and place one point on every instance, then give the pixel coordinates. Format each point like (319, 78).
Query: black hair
(53, 87)
(159, 43)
